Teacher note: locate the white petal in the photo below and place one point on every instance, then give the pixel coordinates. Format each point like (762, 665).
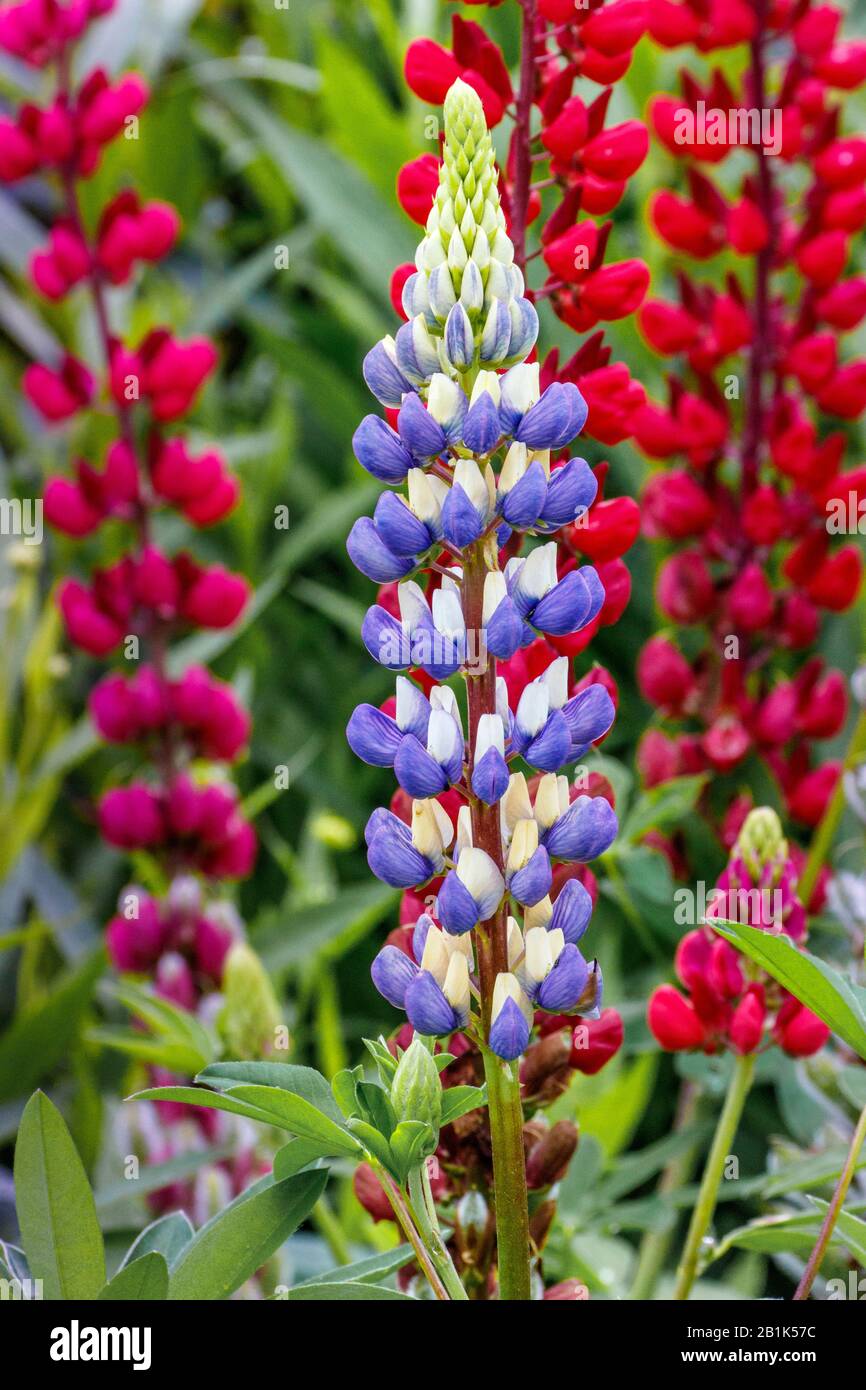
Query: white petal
(436, 957)
(494, 592)
(538, 960)
(534, 707)
(547, 808)
(538, 915)
(448, 614)
(478, 873)
(464, 830)
(514, 467)
(556, 680)
(516, 803)
(507, 986)
(443, 736)
(490, 735)
(423, 500)
(515, 943)
(443, 397)
(410, 702)
(469, 476)
(413, 604)
(486, 383)
(524, 843)
(456, 984)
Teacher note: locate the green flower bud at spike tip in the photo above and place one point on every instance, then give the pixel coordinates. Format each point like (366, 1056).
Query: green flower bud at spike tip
(467, 294)
(416, 1091)
(760, 842)
(250, 1018)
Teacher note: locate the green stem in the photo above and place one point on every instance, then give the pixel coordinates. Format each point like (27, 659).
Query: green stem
(509, 1178)
(407, 1225)
(655, 1246)
(424, 1211)
(822, 840)
(834, 1210)
(705, 1206)
(329, 1228)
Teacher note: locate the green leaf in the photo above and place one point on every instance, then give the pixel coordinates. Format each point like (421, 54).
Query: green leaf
(167, 1236)
(343, 1088)
(305, 1082)
(663, 806)
(377, 1107)
(291, 1112)
(40, 1038)
(298, 1154)
(368, 1271)
(411, 1142)
(346, 1292)
(849, 1231)
(56, 1210)
(459, 1100)
(816, 984)
(145, 1279)
(374, 1142)
(237, 1241)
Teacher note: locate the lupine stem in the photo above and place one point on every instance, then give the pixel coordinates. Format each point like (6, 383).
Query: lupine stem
(504, 1105)
(407, 1225)
(424, 1211)
(834, 1210)
(822, 840)
(509, 1177)
(726, 1130)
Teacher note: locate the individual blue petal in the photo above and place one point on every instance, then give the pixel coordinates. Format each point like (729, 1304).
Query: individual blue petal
(595, 589)
(503, 535)
(589, 715)
(584, 831)
(570, 490)
(461, 523)
(427, 1008)
(399, 527)
(482, 428)
(378, 449)
(532, 883)
(380, 819)
(561, 989)
(394, 859)
(571, 911)
(549, 750)
(369, 553)
(384, 639)
(418, 774)
(509, 1032)
(564, 608)
(421, 434)
(505, 630)
(524, 330)
(523, 505)
(546, 424)
(419, 935)
(373, 736)
(496, 336)
(393, 972)
(457, 909)
(579, 411)
(459, 340)
(490, 777)
(415, 351)
(383, 376)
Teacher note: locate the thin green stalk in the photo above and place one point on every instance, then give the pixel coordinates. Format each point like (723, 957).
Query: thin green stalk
(702, 1215)
(407, 1225)
(834, 1210)
(329, 1228)
(509, 1178)
(424, 1211)
(655, 1246)
(822, 840)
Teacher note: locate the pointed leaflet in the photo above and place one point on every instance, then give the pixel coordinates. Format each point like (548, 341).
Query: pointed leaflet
(56, 1210)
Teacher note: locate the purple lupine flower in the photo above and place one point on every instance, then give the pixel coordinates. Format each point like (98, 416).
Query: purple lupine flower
(471, 893)
(383, 376)
(380, 450)
(433, 988)
(511, 1018)
(552, 605)
(407, 856)
(375, 737)
(528, 873)
(427, 768)
(490, 775)
(571, 491)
